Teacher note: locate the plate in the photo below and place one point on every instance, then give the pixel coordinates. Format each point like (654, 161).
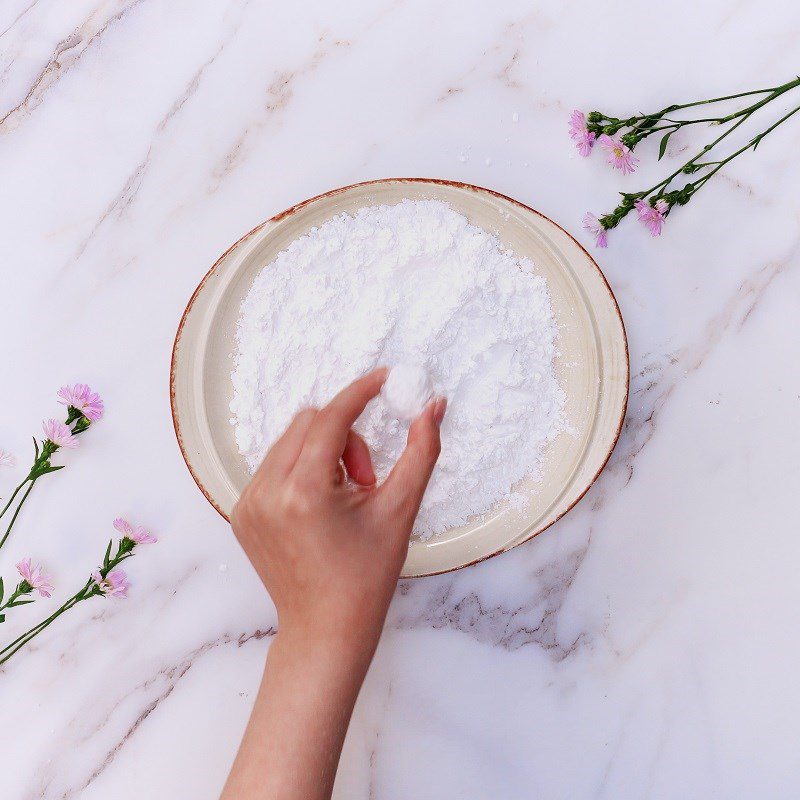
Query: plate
(592, 365)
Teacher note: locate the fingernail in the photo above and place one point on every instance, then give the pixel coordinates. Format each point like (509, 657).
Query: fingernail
(439, 409)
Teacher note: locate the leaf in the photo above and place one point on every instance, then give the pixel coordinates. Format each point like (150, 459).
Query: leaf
(108, 553)
(20, 603)
(2, 590)
(53, 469)
(662, 148)
(2, 617)
(36, 447)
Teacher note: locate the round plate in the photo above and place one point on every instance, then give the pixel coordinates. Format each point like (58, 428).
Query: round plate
(592, 365)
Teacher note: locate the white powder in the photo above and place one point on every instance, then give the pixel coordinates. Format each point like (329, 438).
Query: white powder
(415, 283)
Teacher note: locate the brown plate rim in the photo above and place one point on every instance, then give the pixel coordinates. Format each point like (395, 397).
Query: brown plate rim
(442, 182)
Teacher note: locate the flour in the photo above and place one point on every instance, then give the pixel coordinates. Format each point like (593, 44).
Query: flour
(413, 283)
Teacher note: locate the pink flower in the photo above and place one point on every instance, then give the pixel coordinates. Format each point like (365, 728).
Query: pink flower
(652, 216)
(592, 224)
(619, 155)
(6, 458)
(34, 577)
(580, 134)
(81, 396)
(115, 584)
(137, 534)
(59, 434)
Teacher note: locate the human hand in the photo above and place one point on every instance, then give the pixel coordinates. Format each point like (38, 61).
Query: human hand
(330, 552)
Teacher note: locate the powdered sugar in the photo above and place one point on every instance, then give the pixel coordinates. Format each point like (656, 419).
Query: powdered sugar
(416, 283)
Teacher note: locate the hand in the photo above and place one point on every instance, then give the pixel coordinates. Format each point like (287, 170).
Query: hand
(330, 551)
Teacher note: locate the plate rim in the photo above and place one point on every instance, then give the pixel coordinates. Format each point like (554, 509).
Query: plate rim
(437, 181)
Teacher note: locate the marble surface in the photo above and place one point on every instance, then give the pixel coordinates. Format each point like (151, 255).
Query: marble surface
(644, 647)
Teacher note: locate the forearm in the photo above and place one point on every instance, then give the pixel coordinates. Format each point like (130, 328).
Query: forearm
(294, 738)
(329, 551)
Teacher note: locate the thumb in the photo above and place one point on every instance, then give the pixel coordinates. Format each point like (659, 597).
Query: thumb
(402, 491)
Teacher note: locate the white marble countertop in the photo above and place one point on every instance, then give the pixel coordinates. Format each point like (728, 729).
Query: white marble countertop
(646, 645)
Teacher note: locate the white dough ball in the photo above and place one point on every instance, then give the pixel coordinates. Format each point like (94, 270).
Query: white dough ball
(406, 391)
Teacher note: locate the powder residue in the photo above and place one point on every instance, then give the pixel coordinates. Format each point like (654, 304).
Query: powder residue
(410, 283)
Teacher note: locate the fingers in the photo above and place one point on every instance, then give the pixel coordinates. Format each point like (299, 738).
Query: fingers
(357, 460)
(327, 437)
(284, 453)
(403, 489)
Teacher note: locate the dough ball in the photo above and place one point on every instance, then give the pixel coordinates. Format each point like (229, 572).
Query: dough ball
(407, 389)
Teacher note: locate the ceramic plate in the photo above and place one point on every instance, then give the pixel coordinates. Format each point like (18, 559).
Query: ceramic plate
(592, 366)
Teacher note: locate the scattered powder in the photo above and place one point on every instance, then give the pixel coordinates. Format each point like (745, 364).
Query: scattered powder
(412, 283)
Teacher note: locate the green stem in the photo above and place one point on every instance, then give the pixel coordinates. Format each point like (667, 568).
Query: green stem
(29, 634)
(124, 551)
(754, 142)
(15, 594)
(125, 548)
(613, 219)
(76, 598)
(790, 84)
(26, 637)
(16, 512)
(776, 91)
(692, 161)
(11, 499)
(41, 465)
(744, 112)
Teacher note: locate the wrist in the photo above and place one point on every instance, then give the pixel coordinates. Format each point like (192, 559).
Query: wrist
(328, 643)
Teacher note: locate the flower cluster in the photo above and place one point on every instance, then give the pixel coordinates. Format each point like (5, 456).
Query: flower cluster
(33, 579)
(80, 399)
(59, 434)
(84, 407)
(618, 137)
(108, 580)
(136, 534)
(586, 134)
(580, 134)
(115, 584)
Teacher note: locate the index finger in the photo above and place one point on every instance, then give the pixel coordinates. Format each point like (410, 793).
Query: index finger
(327, 437)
